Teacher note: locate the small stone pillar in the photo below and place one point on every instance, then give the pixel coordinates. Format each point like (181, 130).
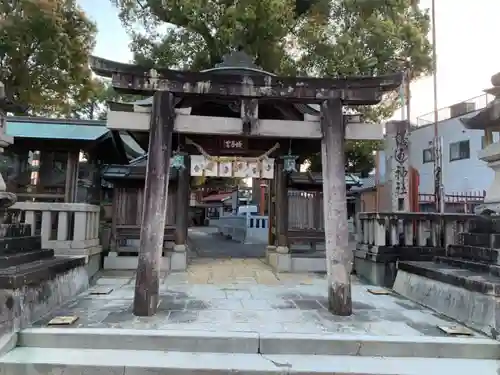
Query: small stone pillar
(278, 254)
(262, 203)
(271, 212)
(281, 207)
(235, 202)
(178, 260)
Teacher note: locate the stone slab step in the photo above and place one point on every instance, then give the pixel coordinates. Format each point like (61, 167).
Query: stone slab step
(255, 343)
(470, 265)
(474, 253)
(18, 258)
(474, 281)
(11, 245)
(24, 361)
(32, 273)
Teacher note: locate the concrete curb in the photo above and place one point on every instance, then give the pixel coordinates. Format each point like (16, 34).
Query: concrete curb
(260, 343)
(131, 339)
(379, 346)
(37, 361)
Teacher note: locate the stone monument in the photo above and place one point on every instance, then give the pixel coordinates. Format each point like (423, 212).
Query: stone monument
(397, 146)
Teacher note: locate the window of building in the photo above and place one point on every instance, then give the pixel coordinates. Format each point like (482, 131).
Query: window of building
(460, 150)
(428, 155)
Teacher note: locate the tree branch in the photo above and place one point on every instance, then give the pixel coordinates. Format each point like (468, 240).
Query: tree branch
(181, 20)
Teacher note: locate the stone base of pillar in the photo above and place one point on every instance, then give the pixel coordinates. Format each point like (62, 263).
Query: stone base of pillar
(378, 264)
(279, 262)
(376, 269)
(178, 260)
(180, 248)
(282, 250)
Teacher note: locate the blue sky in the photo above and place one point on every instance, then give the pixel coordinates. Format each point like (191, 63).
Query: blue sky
(467, 55)
(112, 40)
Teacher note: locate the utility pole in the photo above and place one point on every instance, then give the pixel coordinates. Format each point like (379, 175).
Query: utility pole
(437, 142)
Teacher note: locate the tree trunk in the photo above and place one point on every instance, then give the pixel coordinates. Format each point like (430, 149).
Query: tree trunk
(155, 205)
(338, 256)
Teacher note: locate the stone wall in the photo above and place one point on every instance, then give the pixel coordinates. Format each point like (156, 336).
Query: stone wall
(20, 307)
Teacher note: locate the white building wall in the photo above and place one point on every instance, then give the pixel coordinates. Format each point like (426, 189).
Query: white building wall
(459, 176)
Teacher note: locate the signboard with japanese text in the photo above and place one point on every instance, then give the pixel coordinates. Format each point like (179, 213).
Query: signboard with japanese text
(233, 144)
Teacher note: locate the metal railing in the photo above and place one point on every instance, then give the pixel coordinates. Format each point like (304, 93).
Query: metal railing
(245, 228)
(477, 102)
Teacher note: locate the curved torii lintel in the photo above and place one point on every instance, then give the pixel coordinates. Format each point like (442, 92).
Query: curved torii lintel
(247, 83)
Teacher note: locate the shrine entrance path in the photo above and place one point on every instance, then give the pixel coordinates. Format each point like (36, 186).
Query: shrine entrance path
(288, 304)
(205, 242)
(217, 260)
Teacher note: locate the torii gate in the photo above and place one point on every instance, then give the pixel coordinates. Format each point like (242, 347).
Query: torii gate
(170, 88)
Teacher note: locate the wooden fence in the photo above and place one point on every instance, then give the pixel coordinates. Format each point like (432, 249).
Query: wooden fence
(305, 210)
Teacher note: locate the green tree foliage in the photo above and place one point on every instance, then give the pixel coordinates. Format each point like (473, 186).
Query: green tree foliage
(359, 157)
(201, 32)
(94, 107)
(44, 50)
(297, 37)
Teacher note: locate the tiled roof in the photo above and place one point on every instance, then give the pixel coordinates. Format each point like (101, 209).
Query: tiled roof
(217, 197)
(316, 178)
(44, 128)
(366, 183)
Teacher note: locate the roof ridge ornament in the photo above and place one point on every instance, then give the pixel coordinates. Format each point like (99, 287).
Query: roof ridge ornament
(237, 59)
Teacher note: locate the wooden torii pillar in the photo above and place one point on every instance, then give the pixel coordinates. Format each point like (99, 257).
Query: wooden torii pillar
(248, 88)
(155, 204)
(338, 257)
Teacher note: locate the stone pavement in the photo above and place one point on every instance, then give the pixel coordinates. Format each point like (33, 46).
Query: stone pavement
(206, 242)
(244, 295)
(230, 271)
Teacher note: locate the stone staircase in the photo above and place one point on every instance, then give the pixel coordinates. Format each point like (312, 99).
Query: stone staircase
(465, 283)
(32, 280)
(23, 262)
(90, 351)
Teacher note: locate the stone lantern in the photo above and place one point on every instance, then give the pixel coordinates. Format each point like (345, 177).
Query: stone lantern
(488, 120)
